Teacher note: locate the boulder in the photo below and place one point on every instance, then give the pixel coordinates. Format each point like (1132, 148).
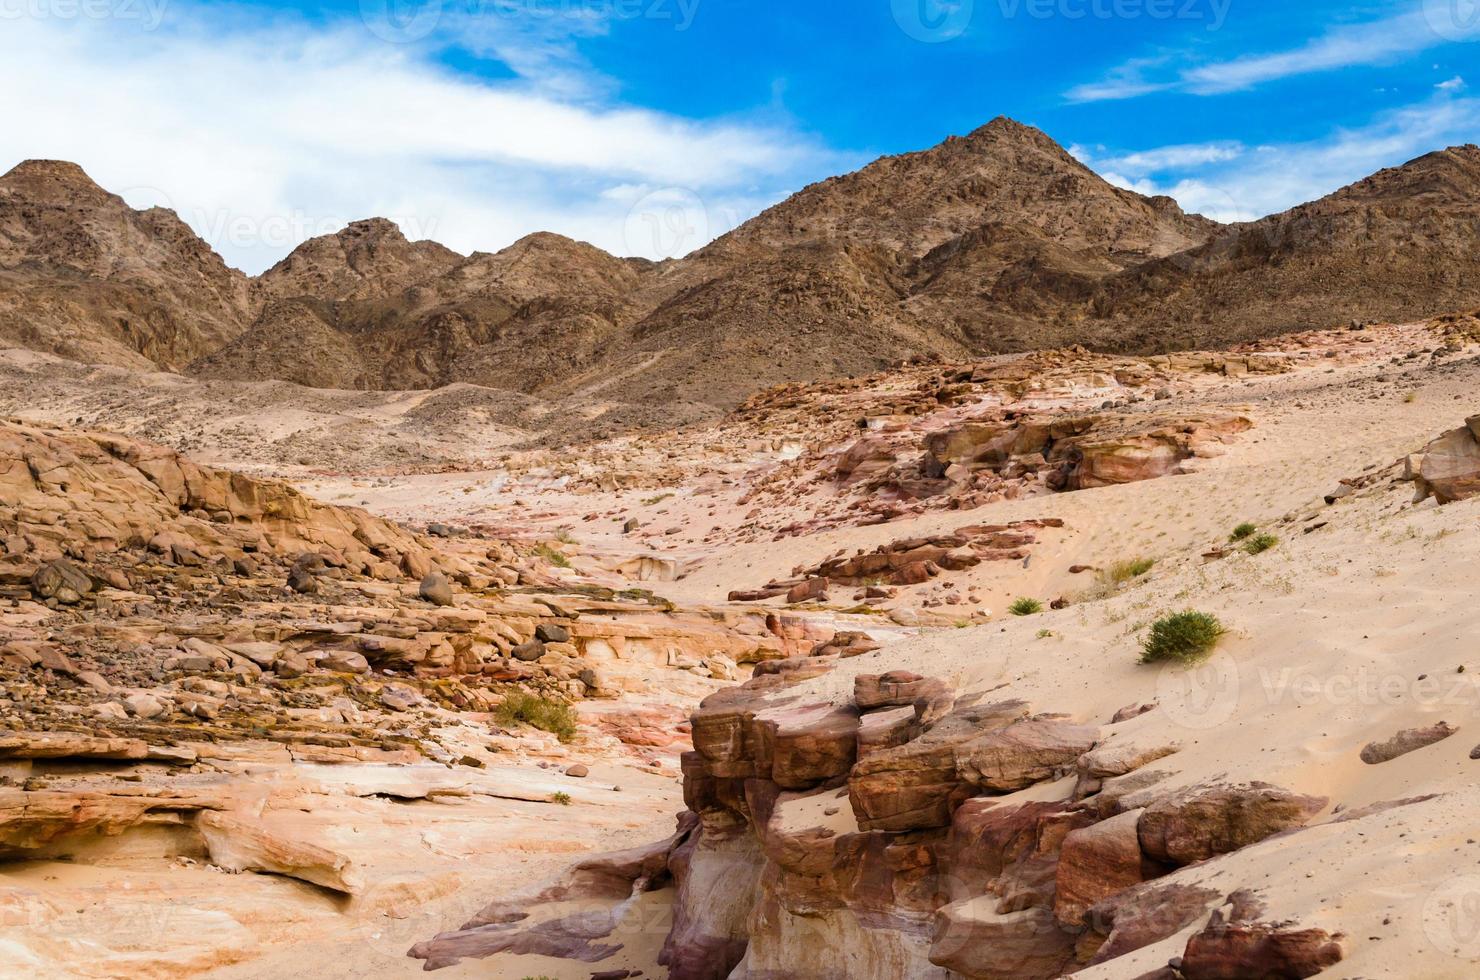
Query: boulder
(1411, 740)
(1204, 821)
(436, 589)
(62, 581)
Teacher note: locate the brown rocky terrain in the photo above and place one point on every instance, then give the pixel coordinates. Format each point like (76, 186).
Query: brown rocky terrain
(247, 727)
(995, 242)
(85, 276)
(555, 615)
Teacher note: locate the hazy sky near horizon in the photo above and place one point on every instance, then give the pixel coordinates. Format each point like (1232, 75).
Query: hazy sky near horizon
(651, 126)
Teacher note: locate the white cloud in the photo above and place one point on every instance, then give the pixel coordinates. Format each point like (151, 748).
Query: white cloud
(261, 134)
(1177, 157)
(1452, 85)
(1268, 179)
(1371, 43)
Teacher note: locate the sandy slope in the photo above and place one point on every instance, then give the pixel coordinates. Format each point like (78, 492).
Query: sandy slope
(1339, 637)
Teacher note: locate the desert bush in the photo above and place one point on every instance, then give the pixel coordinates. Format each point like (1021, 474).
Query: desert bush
(563, 799)
(1025, 607)
(1244, 530)
(1184, 637)
(552, 555)
(555, 717)
(1123, 571)
(1260, 543)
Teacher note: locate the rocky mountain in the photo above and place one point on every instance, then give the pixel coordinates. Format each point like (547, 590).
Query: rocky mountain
(999, 241)
(1398, 245)
(85, 276)
(371, 310)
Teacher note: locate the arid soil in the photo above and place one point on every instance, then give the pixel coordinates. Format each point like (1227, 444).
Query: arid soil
(253, 729)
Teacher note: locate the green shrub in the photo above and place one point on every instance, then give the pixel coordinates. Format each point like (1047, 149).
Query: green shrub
(1124, 571)
(547, 715)
(552, 555)
(1025, 607)
(1260, 543)
(1184, 637)
(1242, 531)
(563, 799)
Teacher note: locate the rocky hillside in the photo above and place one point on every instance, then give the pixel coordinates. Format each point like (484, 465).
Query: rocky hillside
(1398, 245)
(84, 275)
(998, 241)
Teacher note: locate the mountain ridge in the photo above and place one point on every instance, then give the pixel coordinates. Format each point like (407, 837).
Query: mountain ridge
(992, 242)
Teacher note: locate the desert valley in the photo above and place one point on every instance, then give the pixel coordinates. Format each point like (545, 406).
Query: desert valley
(964, 568)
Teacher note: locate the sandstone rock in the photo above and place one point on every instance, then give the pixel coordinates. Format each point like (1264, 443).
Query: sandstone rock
(1023, 753)
(1231, 947)
(917, 786)
(1095, 863)
(142, 705)
(1411, 740)
(436, 589)
(973, 939)
(398, 697)
(1146, 914)
(345, 662)
(1203, 821)
(62, 581)
(241, 843)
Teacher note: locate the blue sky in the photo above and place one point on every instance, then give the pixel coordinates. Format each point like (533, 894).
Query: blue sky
(650, 126)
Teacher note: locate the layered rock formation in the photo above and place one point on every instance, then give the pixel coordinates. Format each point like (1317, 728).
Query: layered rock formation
(889, 834)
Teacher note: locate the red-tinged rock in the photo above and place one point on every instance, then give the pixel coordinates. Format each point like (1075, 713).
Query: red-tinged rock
(1203, 821)
(807, 745)
(1010, 849)
(1229, 950)
(1022, 754)
(894, 689)
(973, 939)
(812, 589)
(866, 459)
(917, 786)
(914, 574)
(887, 729)
(1095, 863)
(1145, 914)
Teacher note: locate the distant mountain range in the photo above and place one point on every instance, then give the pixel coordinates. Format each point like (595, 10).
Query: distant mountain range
(995, 242)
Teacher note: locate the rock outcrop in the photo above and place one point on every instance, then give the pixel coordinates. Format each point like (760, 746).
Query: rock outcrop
(887, 835)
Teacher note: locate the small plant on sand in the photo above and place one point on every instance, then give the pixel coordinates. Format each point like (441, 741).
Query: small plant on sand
(1244, 530)
(1410, 398)
(1044, 634)
(1025, 607)
(552, 555)
(1184, 637)
(547, 715)
(1123, 571)
(1260, 543)
(563, 799)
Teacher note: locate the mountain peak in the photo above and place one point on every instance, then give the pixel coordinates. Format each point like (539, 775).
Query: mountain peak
(58, 181)
(374, 229)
